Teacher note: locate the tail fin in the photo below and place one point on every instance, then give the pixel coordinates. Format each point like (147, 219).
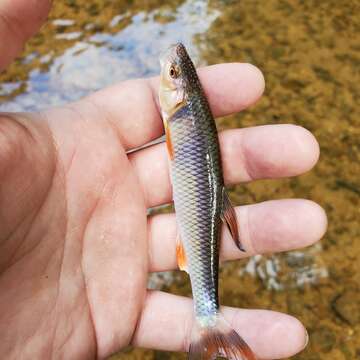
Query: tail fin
(219, 339)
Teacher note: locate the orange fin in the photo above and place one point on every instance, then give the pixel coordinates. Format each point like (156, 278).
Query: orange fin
(229, 217)
(218, 339)
(169, 144)
(180, 255)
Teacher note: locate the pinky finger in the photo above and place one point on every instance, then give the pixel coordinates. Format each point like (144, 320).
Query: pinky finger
(166, 323)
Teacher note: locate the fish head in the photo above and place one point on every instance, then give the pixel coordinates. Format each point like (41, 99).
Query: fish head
(174, 76)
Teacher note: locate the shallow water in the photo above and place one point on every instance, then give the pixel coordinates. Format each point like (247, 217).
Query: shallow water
(309, 53)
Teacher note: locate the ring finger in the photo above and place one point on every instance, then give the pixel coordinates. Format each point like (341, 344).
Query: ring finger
(271, 226)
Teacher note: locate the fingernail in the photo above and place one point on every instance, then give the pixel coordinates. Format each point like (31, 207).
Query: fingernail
(306, 339)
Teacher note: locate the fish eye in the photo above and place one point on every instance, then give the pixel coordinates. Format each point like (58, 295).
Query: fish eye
(172, 72)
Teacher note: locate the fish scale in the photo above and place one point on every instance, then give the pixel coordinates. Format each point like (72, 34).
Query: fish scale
(198, 208)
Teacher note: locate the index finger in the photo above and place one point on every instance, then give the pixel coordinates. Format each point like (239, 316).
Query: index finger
(132, 106)
(18, 21)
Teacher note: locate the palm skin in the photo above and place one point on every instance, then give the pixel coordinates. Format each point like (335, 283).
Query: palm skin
(76, 244)
(63, 215)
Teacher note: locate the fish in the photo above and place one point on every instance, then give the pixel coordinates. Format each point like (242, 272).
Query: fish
(200, 200)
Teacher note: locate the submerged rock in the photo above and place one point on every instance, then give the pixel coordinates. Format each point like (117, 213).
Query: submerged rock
(346, 306)
(323, 339)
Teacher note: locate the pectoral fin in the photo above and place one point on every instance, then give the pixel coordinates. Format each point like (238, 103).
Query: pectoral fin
(169, 144)
(229, 218)
(180, 255)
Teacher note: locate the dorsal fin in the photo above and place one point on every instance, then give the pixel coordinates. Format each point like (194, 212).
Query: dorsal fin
(229, 218)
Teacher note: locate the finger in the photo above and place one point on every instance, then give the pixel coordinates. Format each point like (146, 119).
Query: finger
(133, 105)
(270, 151)
(19, 20)
(167, 319)
(271, 226)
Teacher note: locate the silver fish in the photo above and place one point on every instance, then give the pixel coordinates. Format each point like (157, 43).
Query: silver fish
(200, 200)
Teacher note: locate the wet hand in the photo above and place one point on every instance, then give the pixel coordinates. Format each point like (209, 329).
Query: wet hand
(76, 245)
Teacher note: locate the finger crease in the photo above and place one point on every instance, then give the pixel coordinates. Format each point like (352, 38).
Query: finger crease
(12, 29)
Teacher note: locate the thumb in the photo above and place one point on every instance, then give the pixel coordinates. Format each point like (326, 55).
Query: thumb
(19, 20)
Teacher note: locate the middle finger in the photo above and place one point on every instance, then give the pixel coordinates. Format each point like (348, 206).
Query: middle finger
(270, 151)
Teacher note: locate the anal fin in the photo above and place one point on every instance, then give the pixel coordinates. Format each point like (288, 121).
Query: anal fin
(229, 218)
(180, 255)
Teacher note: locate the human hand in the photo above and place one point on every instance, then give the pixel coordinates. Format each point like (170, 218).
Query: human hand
(76, 244)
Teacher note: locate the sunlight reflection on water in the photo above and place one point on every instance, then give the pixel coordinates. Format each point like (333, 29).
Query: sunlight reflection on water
(105, 58)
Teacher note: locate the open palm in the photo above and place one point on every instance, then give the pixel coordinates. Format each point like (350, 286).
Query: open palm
(76, 245)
